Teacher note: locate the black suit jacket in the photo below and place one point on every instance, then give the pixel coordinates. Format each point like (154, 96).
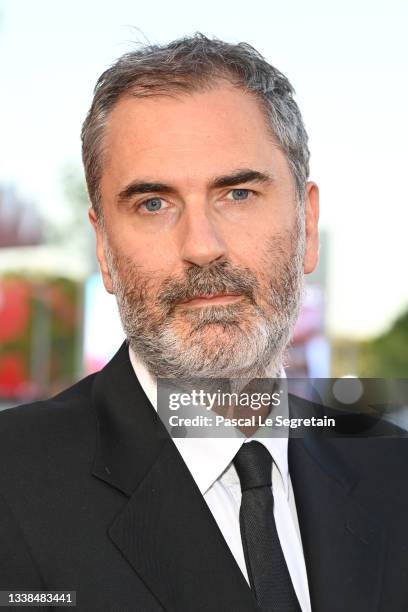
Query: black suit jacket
(93, 499)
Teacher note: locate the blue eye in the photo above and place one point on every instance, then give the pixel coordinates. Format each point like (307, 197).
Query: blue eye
(153, 205)
(240, 194)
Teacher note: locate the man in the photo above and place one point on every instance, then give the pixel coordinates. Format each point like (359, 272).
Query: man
(196, 162)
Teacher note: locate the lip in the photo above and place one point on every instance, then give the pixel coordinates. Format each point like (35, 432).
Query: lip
(210, 300)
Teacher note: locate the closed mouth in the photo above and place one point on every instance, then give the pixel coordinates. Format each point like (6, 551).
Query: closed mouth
(217, 298)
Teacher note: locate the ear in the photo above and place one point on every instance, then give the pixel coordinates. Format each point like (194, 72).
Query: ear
(100, 253)
(311, 227)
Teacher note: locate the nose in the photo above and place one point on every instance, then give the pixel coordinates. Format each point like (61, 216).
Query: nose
(202, 243)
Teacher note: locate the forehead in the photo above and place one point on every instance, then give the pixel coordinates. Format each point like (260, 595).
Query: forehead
(189, 137)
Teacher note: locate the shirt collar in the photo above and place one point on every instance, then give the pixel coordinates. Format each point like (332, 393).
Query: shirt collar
(208, 458)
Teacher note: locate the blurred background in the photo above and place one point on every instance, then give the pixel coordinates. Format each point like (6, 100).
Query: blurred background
(348, 62)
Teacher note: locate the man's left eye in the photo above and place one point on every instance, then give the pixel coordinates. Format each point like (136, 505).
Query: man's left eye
(239, 194)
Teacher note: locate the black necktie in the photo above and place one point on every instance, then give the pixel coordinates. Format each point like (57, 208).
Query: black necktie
(267, 570)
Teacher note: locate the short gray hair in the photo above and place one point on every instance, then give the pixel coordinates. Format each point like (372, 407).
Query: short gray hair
(190, 64)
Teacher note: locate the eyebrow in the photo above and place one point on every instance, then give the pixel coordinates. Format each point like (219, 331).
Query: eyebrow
(228, 180)
(241, 176)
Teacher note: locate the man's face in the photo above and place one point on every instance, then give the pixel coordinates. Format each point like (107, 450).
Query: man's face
(203, 243)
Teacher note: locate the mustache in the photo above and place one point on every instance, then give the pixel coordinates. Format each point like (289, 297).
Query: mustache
(221, 277)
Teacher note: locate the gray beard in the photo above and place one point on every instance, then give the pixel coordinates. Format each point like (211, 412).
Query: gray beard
(247, 340)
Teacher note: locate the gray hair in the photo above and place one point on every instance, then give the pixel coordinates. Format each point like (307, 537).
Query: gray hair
(187, 65)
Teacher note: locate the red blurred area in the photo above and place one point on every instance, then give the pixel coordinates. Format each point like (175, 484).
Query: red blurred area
(14, 309)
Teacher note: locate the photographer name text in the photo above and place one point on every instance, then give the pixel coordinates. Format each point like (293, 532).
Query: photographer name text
(254, 420)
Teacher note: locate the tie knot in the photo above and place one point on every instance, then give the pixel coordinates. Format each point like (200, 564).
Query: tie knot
(253, 463)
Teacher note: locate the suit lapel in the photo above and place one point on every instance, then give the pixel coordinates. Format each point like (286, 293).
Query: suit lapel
(343, 546)
(165, 530)
(169, 536)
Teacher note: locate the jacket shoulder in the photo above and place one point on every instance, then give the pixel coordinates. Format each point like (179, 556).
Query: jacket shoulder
(44, 430)
(79, 392)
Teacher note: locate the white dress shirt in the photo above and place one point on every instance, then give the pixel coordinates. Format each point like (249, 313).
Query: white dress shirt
(210, 462)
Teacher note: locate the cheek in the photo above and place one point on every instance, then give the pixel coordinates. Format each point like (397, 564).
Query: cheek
(150, 255)
(251, 246)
